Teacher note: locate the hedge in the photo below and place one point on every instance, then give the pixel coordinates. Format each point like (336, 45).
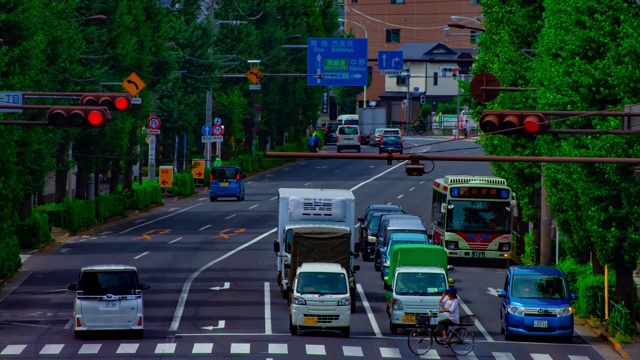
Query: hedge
(34, 231)
(144, 195)
(10, 261)
(110, 205)
(183, 184)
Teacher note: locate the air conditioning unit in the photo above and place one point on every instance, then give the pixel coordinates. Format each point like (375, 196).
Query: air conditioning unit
(317, 209)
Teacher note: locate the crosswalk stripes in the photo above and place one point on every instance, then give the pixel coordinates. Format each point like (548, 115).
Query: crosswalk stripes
(315, 350)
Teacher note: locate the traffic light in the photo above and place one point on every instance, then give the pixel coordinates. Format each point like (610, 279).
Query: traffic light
(513, 121)
(455, 72)
(78, 116)
(423, 99)
(112, 101)
(414, 168)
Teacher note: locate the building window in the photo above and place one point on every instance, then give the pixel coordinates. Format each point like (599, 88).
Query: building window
(397, 1)
(435, 78)
(401, 81)
(393, 35)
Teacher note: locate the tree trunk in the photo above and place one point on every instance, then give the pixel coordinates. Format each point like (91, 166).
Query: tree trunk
(597, 267)
(115, 176)
(626, 289)
(82, 179)
(25, 209)
(62, 161)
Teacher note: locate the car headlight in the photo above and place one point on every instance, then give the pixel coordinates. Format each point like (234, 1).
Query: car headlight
(297, 300)
(452, 245)
(397, 305)
(345, 302)
(516, 310)
(565, 311)
(372, 239)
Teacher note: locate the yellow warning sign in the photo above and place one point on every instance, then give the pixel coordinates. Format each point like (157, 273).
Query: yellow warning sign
(254, 75)
(166, 176)
(133, 84)
(198, 169)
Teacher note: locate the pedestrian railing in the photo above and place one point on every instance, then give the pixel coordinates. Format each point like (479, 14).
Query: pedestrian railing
(620, 318)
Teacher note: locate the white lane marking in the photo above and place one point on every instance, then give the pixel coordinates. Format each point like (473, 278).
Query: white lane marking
(230, 216)
(69, 324)
(371, 166)
(158, 219)
(141, 255)
(240, 348)
(400, 196)
(177, 316)
(51, 349)
(478, 325)
(204, 227)
(352, 351)
(432, 354)
(543, 357)
(422, 182)
(278, 348)
(89, 349)
(202, 348)
(169, 348)
(365, 303)
(202, 199)
(267, 309)
(578, 357)
(178, 239)
(469, 356)
(24, 257)
(390, 353)
(315, 350)
(413, 188)
(307, 184)
(336, 171)
(503, 356)
(379, 175)
(13, 350)
(127, 348)
(273, 198)
(254, 206)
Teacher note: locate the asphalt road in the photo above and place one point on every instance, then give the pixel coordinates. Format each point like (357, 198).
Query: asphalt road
(212, 272)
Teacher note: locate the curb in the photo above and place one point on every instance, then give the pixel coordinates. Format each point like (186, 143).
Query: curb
(604, 336)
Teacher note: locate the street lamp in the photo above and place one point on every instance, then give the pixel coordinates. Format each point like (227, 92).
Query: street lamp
(366, 36)
(407, 111)
(456, 18)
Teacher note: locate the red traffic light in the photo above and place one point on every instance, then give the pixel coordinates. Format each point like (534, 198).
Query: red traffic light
(509, 122)
(78, 116)
(112, 101)
(414, 168)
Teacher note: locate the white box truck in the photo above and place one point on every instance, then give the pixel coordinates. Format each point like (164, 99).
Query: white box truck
(308, 208)
(370, 119)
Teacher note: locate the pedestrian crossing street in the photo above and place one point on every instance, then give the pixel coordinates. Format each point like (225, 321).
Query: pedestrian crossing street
(220, 351)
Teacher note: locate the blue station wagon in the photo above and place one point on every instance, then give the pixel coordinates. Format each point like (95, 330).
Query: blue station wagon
(226, 181)
(536, 300)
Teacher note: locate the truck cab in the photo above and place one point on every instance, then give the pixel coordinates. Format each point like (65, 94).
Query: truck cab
(320, 299)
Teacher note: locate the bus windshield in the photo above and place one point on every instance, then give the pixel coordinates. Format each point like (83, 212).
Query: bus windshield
(478, 215)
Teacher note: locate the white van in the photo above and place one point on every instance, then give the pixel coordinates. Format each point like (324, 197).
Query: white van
(320, 299)
(108, 297)
(351, 119)
(348, 137)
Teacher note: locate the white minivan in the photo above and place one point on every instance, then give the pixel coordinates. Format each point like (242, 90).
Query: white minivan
(348, 137)
(108, 297)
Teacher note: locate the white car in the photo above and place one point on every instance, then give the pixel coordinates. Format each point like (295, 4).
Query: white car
(108, 297)
(348, 137)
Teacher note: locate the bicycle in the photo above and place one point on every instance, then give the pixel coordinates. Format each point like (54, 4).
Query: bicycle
(461, 340)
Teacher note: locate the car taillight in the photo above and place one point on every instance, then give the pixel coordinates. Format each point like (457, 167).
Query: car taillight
(210, 177)
(399, 142)
(358, 137)
(237, 176)
(337, 138)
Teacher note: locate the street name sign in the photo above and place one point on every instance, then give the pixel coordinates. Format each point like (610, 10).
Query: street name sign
(337, 62)
(390, 60)
(11, 98)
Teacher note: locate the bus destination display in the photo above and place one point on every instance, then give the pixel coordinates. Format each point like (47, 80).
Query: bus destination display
(479, 192)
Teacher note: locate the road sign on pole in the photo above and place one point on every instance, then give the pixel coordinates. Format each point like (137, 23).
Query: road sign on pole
(337, 62)
(11, 98)
(218, 130)
(133, 84)
(390, 60)
(166, 176)
(206, 130)
(154, 123)
(198, 169)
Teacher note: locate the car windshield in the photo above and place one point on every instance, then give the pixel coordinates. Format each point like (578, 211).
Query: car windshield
(420, 284)
(472, 215)
(321, 283)
(350, 122)
(374, 220)
(538, 287)
(348, 130)
(225, 173)
(378, 131)
(100, 283)
(332, 127)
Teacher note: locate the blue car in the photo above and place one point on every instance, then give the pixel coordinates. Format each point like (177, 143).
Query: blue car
(536, 301)
(390, 142)
(226, 181)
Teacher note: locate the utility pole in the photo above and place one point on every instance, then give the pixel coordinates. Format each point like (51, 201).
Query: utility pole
(545, 223)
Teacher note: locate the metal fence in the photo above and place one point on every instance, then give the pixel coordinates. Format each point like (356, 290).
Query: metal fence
(620, 318)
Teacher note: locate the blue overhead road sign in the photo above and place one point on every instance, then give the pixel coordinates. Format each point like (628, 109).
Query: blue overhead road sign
(390, 60)
(337, 62)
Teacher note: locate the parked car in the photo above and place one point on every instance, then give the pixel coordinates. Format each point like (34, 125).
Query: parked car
(536, 300)
(390, 142)
(375, 137)
(108, 297)
(348, 138)
(369, 224)
(330, 132)
(226, 181)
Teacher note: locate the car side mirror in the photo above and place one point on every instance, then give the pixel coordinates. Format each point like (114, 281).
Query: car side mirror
(388, 287)
(574, 296)
(72, 287)
(450, 267)
(276, 246)
(502, 293)
(145, 286)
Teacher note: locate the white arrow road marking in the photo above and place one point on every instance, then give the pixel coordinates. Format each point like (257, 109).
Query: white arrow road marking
(220, 326)
(226, 286)
(492, 291)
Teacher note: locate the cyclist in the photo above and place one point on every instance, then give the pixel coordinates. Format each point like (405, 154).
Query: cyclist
(448, 304)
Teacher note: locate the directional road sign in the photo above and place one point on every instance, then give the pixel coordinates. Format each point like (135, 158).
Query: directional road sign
(207, 130)
(337, 62)
(390, 60)
(197, 169)
(166, 176)
(217, 121)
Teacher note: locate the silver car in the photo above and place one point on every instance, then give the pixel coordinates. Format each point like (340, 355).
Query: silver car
(108, 297)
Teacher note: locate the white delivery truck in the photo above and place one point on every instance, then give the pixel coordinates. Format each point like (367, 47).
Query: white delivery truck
(370, 119)
(307, 208)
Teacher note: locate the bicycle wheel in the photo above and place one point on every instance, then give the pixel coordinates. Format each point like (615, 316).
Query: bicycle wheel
(462, 341)
(419, 341)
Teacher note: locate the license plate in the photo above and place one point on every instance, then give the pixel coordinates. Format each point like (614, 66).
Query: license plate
(224, 184)
(310, 320)
(540, 323)
(409, 319)
(477, 254)
(110, 305)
